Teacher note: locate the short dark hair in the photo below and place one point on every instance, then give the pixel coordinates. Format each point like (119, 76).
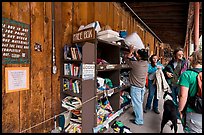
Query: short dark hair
(143, 54)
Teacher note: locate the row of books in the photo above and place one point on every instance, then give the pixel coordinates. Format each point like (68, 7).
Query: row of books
(72, 69)
(72, 52)
(69, 84)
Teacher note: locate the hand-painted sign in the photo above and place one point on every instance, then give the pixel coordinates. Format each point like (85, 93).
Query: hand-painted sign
(15, 42)
(84, 35)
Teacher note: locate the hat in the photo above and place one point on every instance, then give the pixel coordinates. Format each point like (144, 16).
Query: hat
(143, 54)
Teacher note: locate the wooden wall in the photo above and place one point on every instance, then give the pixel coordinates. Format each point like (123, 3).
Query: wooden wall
(24, 109)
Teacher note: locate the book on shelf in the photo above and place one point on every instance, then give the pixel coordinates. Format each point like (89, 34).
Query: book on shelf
(80, 70)
(70, 85)
(67, 54)
(72, 69)
(79, 51)
(72, 52)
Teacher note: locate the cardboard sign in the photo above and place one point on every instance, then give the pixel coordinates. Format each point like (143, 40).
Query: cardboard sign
(84, 35)
(15, 42)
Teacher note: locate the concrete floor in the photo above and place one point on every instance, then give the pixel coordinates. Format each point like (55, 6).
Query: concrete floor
(152, 121)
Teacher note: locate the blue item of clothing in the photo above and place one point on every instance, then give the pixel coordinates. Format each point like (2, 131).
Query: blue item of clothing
(137, 97)
(152, 93)
(175, 91)
(154, 69)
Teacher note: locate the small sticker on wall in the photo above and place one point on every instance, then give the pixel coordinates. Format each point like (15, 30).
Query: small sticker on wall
(38, 47)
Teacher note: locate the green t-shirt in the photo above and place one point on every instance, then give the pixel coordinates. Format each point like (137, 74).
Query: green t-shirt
(189, 80)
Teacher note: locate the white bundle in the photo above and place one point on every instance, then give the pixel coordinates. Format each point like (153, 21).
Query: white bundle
(135, 40)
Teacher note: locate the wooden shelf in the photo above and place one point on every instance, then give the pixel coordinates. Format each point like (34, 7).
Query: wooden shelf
(109, 52)
(70, 92)
(116, 90)
(108, 67)
(125, 66)
(72, 61)
(72, 77)
(102, 42)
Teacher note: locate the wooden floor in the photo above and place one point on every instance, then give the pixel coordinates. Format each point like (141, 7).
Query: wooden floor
(152, 121)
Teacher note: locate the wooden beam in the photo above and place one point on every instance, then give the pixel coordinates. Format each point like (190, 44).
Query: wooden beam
(162, 14)
(167, 24)
(170, 8)
(158, 20)
(154, 4)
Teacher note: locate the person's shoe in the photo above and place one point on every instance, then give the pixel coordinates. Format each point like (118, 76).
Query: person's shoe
(146, 110)
(133, 121)
(156, 111)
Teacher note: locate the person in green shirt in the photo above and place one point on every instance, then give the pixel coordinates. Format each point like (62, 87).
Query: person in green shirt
(188, 87)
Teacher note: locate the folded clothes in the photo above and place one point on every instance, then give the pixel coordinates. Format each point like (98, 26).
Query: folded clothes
(101, 61)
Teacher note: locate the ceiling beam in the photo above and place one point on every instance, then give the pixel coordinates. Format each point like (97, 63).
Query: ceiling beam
(153, 18)
(162, 14)
(161, 8)
(163, 20)
(167, 28)
(170, 25)
(154, 4)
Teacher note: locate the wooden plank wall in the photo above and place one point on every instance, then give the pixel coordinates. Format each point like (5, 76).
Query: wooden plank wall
(24, 109)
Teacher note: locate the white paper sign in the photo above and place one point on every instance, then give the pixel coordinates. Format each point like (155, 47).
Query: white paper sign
(88, 71)
(17, 79)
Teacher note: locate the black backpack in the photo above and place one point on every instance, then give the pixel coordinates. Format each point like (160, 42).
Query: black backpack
(195, 102)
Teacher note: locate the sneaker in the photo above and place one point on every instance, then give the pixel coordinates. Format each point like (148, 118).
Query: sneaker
(157, 111)
(133, 121)
(146, 110)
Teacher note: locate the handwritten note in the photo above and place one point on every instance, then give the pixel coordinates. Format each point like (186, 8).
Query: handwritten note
(15, 42)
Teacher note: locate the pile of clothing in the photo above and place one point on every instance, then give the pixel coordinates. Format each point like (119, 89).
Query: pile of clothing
(70, 122)
(103, 110)
(101, 61)
(104, 83)
(124, 78)
(125, 99)
(119, 127)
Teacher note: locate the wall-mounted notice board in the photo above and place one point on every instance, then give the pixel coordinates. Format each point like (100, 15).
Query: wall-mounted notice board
(16, 79)
(15, 42)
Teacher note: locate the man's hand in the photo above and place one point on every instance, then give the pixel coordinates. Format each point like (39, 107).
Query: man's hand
(159, 67)
(131, 48)
(170, 75)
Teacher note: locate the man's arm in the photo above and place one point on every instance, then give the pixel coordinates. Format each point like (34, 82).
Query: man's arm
(182, 98)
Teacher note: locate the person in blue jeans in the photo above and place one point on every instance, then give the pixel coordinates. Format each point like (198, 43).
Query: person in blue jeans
(152, 68)
(138, 61)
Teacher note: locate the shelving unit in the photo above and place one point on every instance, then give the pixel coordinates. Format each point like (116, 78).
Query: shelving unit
(91, 50)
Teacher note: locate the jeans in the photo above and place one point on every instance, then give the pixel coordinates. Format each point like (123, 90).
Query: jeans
(137, 97)
(152, 93)
(175, 91)
(193, 123)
